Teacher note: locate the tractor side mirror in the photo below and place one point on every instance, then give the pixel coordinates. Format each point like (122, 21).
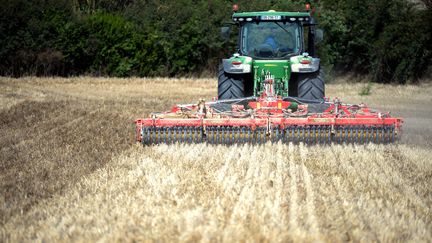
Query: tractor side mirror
(319, 35)
(225, 32)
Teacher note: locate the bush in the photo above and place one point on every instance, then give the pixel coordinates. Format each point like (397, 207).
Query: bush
(388, 40)
(403, 50)
(106, 44)
(27, 30)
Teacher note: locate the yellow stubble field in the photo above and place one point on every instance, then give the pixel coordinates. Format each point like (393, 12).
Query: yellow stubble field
(71, 171)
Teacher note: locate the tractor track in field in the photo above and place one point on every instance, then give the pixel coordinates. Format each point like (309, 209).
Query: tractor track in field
(403, 185)
(245, 194)
(301, 194)
(293, 190)
(343, 188)
(282, 187)
(348, 212)
(310, 198)
(351, 185)
(331, 195)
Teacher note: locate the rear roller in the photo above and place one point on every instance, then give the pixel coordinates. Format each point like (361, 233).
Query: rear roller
(169, 135)
(291, 134)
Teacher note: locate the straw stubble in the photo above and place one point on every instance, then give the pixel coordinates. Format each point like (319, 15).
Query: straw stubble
(70, 171)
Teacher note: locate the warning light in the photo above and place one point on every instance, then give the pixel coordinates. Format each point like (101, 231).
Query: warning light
(308, 6)
(235, 7)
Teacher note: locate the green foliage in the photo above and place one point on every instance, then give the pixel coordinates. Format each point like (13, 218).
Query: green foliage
(390, 40)
(366, 90)
(403, 50)
(189, 38)
(28, 30)
(109, 43)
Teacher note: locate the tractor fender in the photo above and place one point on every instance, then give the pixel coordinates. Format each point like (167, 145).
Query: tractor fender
(237, 64)
(298, 67)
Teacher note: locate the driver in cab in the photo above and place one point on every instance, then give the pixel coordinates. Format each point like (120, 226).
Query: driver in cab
(272, 48)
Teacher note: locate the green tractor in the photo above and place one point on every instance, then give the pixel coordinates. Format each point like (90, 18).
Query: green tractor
(272, 45)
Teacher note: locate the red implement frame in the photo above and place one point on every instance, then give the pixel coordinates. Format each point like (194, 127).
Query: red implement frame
(270, 114)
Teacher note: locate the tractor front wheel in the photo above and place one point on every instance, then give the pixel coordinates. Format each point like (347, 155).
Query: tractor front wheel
(230, 86)
(311, 86)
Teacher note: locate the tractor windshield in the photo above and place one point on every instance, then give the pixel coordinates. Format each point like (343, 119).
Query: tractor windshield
(270, 40)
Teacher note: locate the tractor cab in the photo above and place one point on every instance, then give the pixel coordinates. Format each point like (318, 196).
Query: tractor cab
(270, 40)
(282, 31)
(273, 44)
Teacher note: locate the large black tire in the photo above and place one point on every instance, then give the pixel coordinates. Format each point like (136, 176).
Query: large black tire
(230, 86)
(311, 86)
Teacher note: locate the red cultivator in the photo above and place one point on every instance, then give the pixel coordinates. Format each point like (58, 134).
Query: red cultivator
(269, 118)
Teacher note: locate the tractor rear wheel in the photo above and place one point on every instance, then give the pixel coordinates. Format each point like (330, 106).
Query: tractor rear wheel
(311, 86)
(230, 86)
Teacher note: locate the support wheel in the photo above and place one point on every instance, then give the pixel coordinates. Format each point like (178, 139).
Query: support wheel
(311, 86)
(230, 86)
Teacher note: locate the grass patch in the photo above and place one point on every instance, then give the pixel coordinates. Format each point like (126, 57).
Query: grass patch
(367, 89)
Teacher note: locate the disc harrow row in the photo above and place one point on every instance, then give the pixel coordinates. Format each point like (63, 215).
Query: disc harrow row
(320, 134)
(269, 118)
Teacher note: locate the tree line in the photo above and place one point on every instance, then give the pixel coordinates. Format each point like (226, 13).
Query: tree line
(388, 40)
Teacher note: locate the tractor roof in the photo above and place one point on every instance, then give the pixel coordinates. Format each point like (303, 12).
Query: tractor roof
(271, 15)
